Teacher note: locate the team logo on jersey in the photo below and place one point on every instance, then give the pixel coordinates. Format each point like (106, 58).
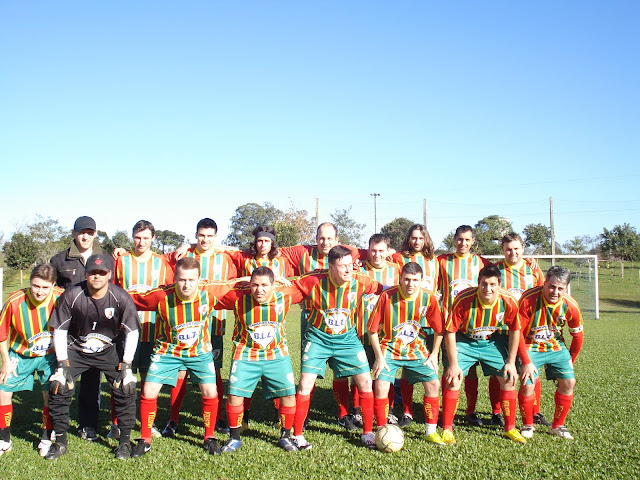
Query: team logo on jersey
(40, 343)
(155, 275)
(279, 309)
(217, 269)
(94, 343)
(407, 332)
(482, 333)
(371, 301)
(541, 334)
(516, 292)
(351, 296)
(458, 286)
(529, 279)
(500, 316)
(188, 333)
(263, 333)
(336, 319)
(427, 283)
(109, 312)
(423, 310)
(139, 288)
(203, 309)
(474, 269)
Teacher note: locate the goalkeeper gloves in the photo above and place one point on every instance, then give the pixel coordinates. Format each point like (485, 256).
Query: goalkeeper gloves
(126, 378)
(61, 380)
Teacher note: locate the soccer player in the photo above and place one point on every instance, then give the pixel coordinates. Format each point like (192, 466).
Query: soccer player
(397, 334)
(333, 297)
(260, 351)
(139, 271)
(183, 341)
(26, 348)
(89, 320)
(417, 247)
(543, 312)
(470, 336)
(518, 275)
(459, 271)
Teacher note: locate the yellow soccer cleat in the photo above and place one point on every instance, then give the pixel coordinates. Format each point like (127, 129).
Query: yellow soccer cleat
(435, 438)
(515, 435)
(448, 438)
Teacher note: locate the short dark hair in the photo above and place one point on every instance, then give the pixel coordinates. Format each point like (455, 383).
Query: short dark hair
(273, 253)
(427, 249)
(464, 229)
(143, 225)
(44, 271)
(561, 273)
(379, 238)
(188, 263)
(207, 223)
(264, 272)
(338, 252)
(512, 237)
(326, 224)
(490, 271)
(411, 268)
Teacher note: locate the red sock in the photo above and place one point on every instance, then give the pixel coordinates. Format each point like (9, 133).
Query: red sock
(220, 389)
(366, 407)
(494, 395)
(355, 395)
(407, 396)
(6, 412)
(234, 415)
(148, 408)
(538, 391)
(276, 403)
(381, 410)
(114, 418)
(449, 406)
(392, 396)
(431, 406)
(526, 408)
(508, 404)
(287, 416)
(46, 419)
(302, 409)
(471, 392)
(209, 414)
(563, 405)
(341, 394)
(247, 403)
(177, 396)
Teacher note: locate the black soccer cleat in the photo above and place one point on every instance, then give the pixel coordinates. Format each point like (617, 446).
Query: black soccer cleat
(539, 419)
(347, 423)
(123, 452)
(473, 419)
(497, 419)
(56, 451)
(405, 421)
(140, 449)
(171, 429)
(211, 446)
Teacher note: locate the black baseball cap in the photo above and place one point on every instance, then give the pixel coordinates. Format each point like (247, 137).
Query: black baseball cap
(84, 223)
(99, 261)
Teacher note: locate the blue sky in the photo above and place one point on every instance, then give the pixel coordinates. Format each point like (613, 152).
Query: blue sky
(173, 111)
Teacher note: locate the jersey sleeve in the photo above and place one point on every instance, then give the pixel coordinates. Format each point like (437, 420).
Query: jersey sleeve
(293, 254)
(511, 315)
(229, 299)
(5, 320)
(169, 277)
(455, 316)
(148, 301)
(293, 292)
(434, 315)
(218, 289)
(129, 314)
(376, 316)
(370, 285)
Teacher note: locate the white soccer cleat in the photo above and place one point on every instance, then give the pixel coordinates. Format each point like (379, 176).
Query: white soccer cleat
(527, 431)
(43, 447)
(301, 442)
(4, 446)
(369, 440)
(561, 432)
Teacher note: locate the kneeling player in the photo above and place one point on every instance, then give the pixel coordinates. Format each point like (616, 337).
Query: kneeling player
(259, 352)
(476, 317)
(397, 334)
(24, 321)
(543, 312)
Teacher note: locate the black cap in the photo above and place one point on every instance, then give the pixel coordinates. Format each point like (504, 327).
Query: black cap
(84, 223)
(99, 261)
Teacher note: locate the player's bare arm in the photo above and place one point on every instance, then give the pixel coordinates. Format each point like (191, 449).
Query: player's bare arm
(380, 363)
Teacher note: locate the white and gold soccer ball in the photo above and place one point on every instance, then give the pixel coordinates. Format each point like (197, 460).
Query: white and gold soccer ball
(389, 438)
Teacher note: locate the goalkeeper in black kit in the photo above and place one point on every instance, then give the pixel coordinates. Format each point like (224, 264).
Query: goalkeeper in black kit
(95, 326)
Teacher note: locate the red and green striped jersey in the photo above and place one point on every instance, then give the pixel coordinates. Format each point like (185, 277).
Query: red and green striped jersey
(542, 322)
(400, 322)
(518, 278)
(387, 275)
(457, 274)
(25, 323)
(332, 307)
(182, 326)
(306, 258)
(259, 331)
(478, 321)
(136, 275)
(430, 268)
(246, 263)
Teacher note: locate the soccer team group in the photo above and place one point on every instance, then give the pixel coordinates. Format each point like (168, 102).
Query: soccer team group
(370, 315)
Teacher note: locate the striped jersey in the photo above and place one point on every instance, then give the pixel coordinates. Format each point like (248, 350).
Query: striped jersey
(333, 307)
(457, 274)
(400, 322)
(136, 275)
(25, 323)
(182, 326)
(259, 331)
(246, 263)
(430, 268)
(477, 321)
(517, 279)
(542, 322)
(388, 275)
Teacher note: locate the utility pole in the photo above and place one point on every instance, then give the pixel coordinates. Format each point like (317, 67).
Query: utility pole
(317, 212)
(553, 233)
(375, 212)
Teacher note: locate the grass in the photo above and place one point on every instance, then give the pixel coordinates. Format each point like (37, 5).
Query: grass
(603, 419)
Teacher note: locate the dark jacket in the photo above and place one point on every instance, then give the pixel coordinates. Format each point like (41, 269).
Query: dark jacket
(69, 264)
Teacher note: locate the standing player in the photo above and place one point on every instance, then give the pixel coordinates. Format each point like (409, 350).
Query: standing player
(459, 271)
(183, 341)
(88, 320)
(259, 352)
(544, 311)
(417, 247)
(470, 336)
(397, 334)
(29, 349)
(139, 271)
(333, 297)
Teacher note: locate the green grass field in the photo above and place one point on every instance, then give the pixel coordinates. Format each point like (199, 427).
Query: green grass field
(603, 420)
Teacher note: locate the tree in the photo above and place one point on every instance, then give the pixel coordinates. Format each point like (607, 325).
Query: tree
(167, 241)
(537, 238)
(121, 239)
(489, 232)
(396, 230)
(20, 252)
(622, 241)
(575, 246)
(349, 231)
(448, 243)
(293, 227)
(248, 217)
(49, 236)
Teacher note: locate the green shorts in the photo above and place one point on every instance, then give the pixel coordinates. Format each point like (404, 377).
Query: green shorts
(277, 377)
(26, 367)
(414, 369)
(556, 364)
(164, 369)
(492, 354)
(142, 358)
(304, 321)
(345, 351)
(217, 350)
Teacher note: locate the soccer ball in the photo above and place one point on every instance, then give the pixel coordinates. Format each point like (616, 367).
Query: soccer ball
(389, 438)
